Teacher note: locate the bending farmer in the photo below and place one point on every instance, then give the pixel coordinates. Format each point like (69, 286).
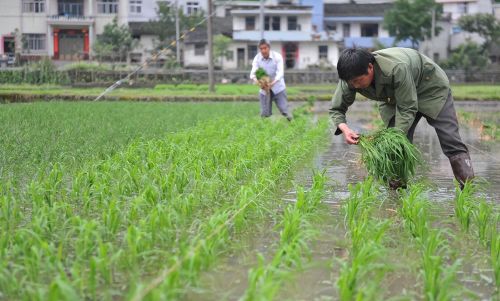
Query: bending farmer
(408, 86)
(272, 63)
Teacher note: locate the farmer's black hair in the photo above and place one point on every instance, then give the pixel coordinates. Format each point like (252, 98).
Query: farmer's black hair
(353, 62)
(264, 42)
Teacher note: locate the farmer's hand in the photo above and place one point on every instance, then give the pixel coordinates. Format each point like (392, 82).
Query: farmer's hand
(272, 83)
(350, 136)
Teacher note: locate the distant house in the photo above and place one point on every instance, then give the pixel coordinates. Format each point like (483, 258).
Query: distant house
(289, 26)
(359, 25)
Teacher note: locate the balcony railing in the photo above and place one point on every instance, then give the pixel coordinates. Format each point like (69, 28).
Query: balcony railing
(70, 19)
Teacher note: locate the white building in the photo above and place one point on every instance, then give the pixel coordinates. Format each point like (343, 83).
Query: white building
(288, 25)
(67, 29)
(359, 24)
(451, 35)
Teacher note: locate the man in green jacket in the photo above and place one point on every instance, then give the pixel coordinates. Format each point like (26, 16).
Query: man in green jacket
(408, 86)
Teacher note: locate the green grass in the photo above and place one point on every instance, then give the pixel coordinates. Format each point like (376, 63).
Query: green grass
(476, 91)
(146, 221)
(487, 124)
(34, 136)
(322, 91)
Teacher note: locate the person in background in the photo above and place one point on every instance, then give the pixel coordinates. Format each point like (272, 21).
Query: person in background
(272, 63)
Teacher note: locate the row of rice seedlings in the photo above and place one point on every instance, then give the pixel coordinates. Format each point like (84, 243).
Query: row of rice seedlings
(360, 277)
(488, 129)
(296, 230)
(120, 217)
(439, 278)
(471, 210)
(203, 249)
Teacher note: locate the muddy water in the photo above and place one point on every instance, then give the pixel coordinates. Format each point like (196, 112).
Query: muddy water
(341, 164)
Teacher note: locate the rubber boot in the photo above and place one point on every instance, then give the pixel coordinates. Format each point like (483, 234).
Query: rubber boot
(462, 168)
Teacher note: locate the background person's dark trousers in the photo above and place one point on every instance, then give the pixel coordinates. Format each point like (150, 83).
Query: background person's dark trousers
(266, 104)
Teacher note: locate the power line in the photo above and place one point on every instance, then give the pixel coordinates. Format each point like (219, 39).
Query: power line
(157, 55)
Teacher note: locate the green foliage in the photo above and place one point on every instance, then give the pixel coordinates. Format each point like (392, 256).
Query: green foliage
(361, 276)
(115, 42)
(37, 135)
(145, 221)
(389, 155)
(469, 57)
(295, 233)
(260, 73)
(164, 26)
(484, 24)
(41, 72)
(221, 47)
(439, 278)
(412, 19)
(471, 210)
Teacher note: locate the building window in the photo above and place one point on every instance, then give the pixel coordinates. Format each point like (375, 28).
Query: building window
(252, 52)
(250, 23)
(107, 6)
(192, 8)
(346, 29)
(323, 52)
(34, 42)
(266, 22)
(70, 8)
(136, 6)
(229, 55)
(292, 23)
(463, 8)
(276, 23)
(369, 30)
(435, 56)
(199, 49)
(33, 6)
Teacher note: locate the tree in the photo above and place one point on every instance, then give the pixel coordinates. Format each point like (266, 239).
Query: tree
(115, 42)
(412, 19)
(164, 26)
(469, 57)
(486, 25)
(221, 45)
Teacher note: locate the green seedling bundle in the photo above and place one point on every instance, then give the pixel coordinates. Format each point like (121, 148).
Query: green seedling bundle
(388, 155)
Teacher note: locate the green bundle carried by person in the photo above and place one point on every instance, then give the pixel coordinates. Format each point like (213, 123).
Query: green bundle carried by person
(263, 79)
(389, 156)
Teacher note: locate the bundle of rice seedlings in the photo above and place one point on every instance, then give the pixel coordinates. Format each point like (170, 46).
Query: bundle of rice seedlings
(389, 156)
(263, 79)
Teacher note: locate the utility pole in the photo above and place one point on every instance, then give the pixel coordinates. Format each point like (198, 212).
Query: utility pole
(177, 34)
(261, 19)
(211, 82)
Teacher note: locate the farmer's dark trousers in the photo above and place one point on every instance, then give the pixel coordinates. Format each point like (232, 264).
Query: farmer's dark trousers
(266, 103)
(446, 126)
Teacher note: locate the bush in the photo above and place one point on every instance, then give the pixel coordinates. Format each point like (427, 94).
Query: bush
(42, 72)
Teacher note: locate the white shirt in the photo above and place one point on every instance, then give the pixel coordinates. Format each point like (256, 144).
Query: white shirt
(274, 68)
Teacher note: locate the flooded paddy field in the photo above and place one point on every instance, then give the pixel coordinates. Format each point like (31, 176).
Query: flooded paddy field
(402, 275)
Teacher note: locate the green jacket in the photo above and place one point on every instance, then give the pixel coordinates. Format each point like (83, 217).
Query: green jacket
(406, 82)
